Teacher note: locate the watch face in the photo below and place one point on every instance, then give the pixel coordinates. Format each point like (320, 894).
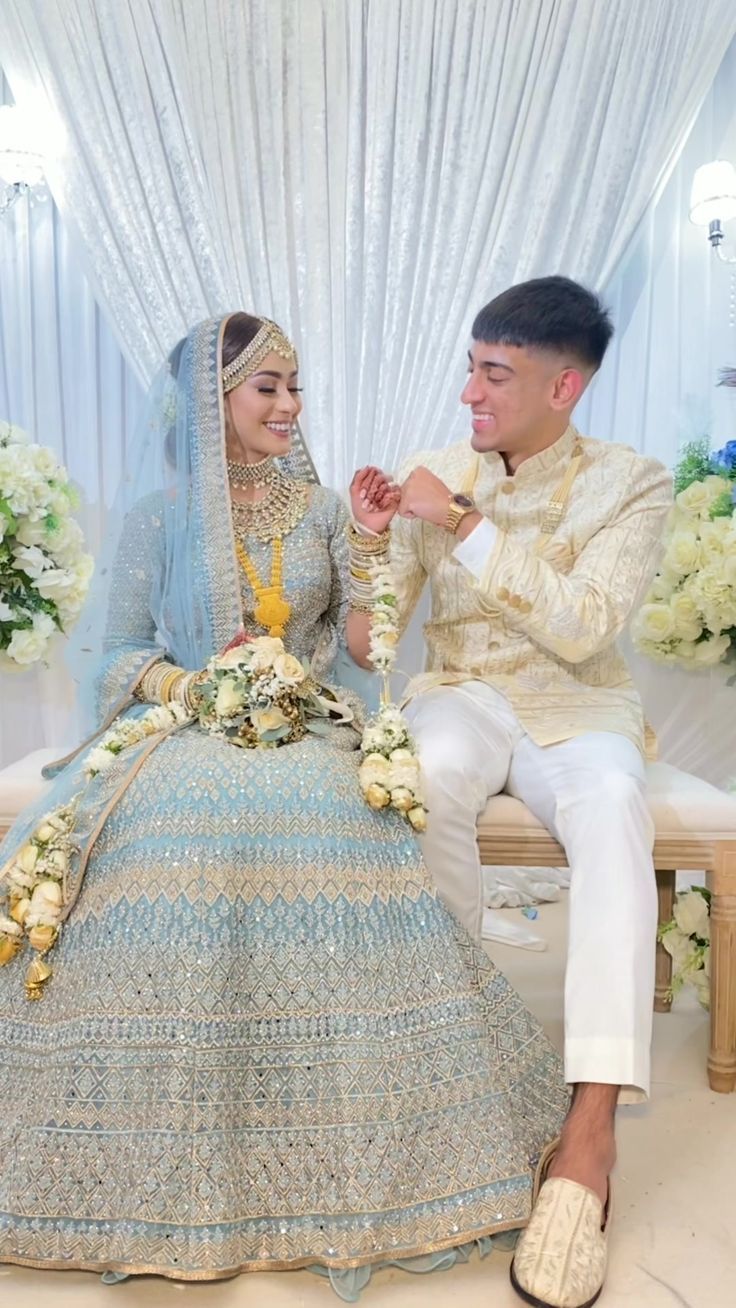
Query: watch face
(462, 501)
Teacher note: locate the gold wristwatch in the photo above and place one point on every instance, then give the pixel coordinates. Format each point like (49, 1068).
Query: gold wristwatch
(457, 509)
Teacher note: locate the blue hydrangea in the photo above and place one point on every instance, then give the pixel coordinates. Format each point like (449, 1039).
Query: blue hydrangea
(724, 461)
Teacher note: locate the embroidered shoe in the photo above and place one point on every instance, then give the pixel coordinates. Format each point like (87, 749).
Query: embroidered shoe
(560, 1260)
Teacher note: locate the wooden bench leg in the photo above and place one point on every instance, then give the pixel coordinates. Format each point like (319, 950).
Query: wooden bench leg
(663, 973)
(722, 1053)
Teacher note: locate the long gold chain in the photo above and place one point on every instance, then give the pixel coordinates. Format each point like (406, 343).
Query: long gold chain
(271, 609)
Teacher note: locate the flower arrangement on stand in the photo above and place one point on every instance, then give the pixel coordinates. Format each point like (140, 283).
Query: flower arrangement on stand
(389, 772)
(689, 617)
(687, 940)
(44, 572)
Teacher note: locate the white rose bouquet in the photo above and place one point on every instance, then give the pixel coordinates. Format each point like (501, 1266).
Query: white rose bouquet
(687, 939)
(689, 617)
(44, 572)
(257, 695)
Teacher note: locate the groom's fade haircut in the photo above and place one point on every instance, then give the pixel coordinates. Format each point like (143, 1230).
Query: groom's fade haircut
(548, 313)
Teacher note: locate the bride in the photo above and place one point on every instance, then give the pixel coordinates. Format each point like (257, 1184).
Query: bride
(266, 1044)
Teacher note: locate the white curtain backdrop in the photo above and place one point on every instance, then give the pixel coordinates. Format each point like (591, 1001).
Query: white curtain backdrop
(367, 171)
(63, 378)
(341, 211)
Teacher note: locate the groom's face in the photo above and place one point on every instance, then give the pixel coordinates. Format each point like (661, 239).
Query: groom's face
(514, 394)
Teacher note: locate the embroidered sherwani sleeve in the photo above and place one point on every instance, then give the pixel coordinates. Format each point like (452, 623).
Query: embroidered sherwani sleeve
(574, 615)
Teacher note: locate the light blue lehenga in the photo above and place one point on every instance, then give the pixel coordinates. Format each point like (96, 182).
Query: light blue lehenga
(266, 1043)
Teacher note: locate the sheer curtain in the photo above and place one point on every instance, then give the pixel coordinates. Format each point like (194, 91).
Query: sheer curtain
(674, 306)
(369, 172)
(63, 378)
(342, 214)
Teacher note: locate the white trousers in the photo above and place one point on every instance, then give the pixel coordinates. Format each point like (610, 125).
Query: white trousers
(590, 793)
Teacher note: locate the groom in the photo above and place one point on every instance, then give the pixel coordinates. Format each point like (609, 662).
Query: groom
(538, 544)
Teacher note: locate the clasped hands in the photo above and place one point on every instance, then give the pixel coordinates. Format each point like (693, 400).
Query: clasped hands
(375, 499)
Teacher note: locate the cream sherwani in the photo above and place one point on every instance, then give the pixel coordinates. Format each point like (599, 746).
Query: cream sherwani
(525, 690)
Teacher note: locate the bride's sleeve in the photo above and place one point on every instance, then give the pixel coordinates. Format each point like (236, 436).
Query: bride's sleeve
(129, 645)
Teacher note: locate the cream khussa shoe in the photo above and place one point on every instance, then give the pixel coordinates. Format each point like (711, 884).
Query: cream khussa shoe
(560, 1260)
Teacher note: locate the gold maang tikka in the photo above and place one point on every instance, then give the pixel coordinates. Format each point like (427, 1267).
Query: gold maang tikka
(268, 339)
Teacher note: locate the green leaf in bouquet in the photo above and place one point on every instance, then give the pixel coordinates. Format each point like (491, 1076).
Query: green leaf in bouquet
(318, 726)
(276, 734)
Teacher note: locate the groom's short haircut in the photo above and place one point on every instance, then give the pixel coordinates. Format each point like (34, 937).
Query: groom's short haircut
(548, 313)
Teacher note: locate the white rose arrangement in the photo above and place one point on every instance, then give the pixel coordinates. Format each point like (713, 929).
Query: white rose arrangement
(687, 940)
(389, 773)
(44, 572)
(256, 695)
(689, 617)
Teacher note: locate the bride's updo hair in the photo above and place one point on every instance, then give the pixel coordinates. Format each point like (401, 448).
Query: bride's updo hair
(240, 330)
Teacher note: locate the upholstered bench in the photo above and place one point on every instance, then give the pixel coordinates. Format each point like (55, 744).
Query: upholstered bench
(695, 827)
(695, 830)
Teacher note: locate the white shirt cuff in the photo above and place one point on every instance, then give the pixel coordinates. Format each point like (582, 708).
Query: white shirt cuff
(473, 552)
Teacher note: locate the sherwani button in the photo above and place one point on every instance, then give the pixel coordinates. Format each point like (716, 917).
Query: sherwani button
(525, 607)
(503, 594)
(515, 601)
(507, 488)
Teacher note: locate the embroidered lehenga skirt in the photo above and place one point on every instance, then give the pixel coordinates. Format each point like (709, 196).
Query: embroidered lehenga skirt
(266, 1043)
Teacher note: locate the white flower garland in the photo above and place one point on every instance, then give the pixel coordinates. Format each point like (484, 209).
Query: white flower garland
(35, 879)
(389, 773)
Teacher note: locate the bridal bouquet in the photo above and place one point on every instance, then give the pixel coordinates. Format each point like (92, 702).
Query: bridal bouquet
(687, 940)
(44, 572)
(257, 695)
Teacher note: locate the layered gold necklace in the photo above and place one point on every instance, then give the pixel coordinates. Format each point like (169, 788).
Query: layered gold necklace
(269, 519)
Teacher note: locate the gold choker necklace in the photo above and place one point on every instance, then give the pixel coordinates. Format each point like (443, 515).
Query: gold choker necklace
(263, 473)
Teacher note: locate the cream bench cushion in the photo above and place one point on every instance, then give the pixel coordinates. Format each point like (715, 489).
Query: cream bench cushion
(689, 815)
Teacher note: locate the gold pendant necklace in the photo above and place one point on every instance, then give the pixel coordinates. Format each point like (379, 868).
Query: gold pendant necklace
(271, 609)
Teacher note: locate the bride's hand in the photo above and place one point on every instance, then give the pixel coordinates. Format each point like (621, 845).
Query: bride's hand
(374, 499)
(239, 638)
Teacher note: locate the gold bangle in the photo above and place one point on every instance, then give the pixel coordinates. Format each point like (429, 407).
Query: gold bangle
(168, 684)
(368, 544)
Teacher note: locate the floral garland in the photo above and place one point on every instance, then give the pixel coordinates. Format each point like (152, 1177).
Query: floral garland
(389, 773)
(35, 881)
(687, 940)
(44, 572)
(689, 617)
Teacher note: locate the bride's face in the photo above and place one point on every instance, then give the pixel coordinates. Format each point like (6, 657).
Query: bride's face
(261, 412)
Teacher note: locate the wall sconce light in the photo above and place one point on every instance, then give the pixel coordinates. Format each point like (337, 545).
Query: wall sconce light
(21, 163)
(713, 202)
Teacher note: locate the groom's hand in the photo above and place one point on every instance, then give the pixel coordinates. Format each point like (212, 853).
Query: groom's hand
(374, 499)
(424, 496)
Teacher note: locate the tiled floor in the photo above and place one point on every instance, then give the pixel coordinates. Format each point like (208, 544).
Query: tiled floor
(673, 1241)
